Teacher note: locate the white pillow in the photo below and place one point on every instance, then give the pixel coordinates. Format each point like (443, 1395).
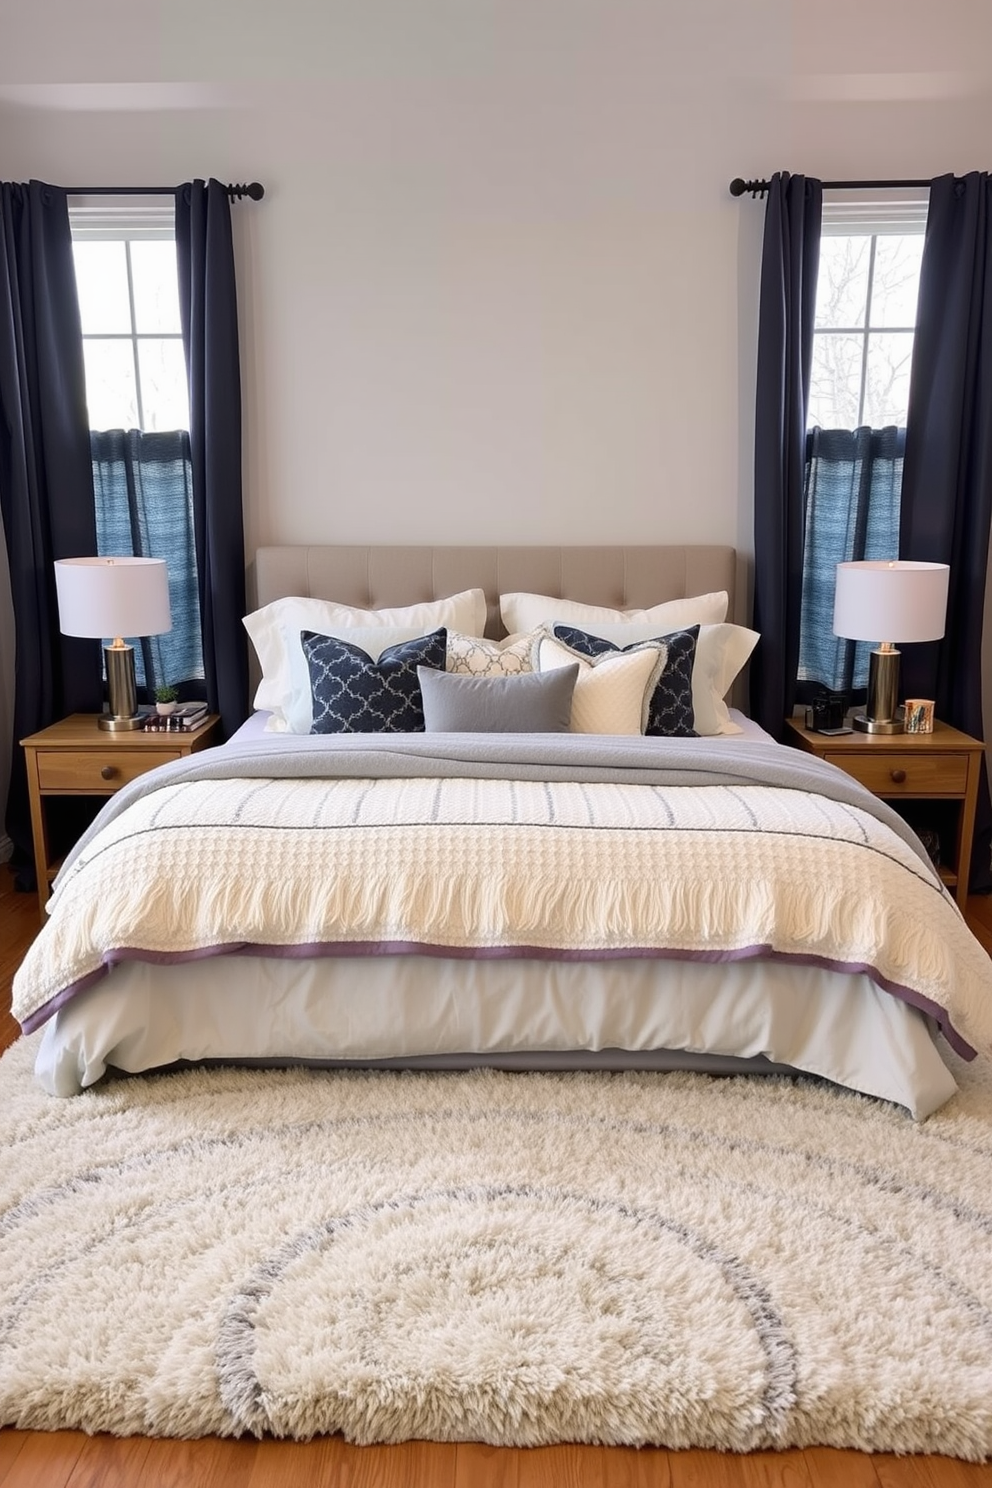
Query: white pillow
(475, 656)
(611, 691)
(721, 651)
(275, 634)
(528, 611)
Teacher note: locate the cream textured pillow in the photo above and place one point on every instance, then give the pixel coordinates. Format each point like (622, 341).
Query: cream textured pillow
(475, 656)
(612, 691)
(527, 611)
(721, 651)
(275, 633)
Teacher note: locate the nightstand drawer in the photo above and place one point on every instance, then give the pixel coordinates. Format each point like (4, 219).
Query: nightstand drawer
(97, 773)
(902, 774)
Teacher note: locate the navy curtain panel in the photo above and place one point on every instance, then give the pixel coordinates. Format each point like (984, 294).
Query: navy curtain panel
(853, 489)
(143, 490)
(789, 261)
(947, 482)
(46, 488)
(209, 312)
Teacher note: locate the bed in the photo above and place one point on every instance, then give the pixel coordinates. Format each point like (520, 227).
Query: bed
(535, 899)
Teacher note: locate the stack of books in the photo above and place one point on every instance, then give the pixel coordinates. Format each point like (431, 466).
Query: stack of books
(181, 720)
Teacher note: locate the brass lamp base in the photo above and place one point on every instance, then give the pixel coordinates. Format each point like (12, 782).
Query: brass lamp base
(877, 725)
(882, 715)
(120, 725)
(122, 692)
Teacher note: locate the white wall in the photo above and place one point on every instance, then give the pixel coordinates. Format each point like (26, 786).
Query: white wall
(497, 288)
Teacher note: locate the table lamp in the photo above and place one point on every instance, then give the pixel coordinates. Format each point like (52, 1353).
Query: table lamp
(117, 597)
(901, 599)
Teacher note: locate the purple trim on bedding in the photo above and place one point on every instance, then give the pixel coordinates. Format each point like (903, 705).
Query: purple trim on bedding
(492, 953)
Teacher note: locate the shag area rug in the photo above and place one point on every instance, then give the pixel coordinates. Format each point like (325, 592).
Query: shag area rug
(514, 1259)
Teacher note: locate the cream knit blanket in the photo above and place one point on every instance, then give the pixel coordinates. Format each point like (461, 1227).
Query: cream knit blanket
(201, 862)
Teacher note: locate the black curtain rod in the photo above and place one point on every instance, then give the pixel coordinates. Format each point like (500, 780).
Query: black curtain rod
(758, 188)
(252, 189)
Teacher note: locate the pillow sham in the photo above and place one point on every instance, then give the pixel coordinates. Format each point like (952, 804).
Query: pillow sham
(476, 656)
(611, 691)
(670, 711)
(721, 651)
(275, 634)
(529, 703)
(527, 611)
(352, 694)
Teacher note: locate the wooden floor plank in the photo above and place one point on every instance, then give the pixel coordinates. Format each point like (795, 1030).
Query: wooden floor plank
(46, 1459)
(110, 1462)
(566, 1466)
(11, 1443)
(829, 1468)
(210, 1463)
(479, 1466)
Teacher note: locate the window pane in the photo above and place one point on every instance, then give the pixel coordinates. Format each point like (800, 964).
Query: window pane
(110, 389)
(897, 280)
(842, 282)
(156, 287)
(890, 355)
(101, 283)
(164, 394)
(835, 384)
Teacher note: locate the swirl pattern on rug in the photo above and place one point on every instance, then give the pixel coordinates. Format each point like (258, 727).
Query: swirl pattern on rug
(516, 1259)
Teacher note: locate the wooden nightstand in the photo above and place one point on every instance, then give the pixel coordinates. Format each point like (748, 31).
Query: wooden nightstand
(77, 758)
(943, 766)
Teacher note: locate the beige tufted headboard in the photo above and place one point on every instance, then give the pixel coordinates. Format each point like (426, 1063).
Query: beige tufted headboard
(622, 577)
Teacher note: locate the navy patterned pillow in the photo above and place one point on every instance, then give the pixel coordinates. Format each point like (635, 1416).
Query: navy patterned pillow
(670, 711)
(352, 694)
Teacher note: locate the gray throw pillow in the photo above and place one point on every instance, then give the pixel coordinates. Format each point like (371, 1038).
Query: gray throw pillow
(532, 703)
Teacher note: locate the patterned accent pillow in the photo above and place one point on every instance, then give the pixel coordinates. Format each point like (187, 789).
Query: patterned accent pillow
(670, 712)
(352, 694)
(475, 656)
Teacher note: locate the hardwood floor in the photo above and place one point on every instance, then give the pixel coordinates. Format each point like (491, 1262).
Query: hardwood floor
(70, 1459)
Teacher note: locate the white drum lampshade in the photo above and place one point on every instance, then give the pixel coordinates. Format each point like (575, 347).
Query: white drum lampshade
(897, 601)
(116, 597)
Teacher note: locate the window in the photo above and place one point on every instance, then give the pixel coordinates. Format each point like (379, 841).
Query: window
(870, 257)
(138, 406)
(129, 306)
(865, 322)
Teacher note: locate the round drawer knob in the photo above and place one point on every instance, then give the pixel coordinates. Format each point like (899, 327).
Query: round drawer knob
(898, 776)
(108, 772)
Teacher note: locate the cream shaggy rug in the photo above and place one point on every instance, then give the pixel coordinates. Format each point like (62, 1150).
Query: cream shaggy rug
(514, 1259)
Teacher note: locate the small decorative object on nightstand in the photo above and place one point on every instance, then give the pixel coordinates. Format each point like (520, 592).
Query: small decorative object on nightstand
(942, 766)
(74, 758)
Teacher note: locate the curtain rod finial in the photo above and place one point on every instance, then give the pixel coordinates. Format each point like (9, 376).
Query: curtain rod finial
(739, 187)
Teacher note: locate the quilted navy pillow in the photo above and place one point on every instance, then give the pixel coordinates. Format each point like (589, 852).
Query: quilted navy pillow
(352, 694)
(670, 711)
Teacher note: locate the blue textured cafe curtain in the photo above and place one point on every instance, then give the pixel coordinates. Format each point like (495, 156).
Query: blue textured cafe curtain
(143, 492)
(46, 488)
(947, 480)
(789, 262)
(853, 488)
(209, 311)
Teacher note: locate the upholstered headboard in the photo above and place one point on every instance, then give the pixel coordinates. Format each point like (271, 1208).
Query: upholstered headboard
(622, 577)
